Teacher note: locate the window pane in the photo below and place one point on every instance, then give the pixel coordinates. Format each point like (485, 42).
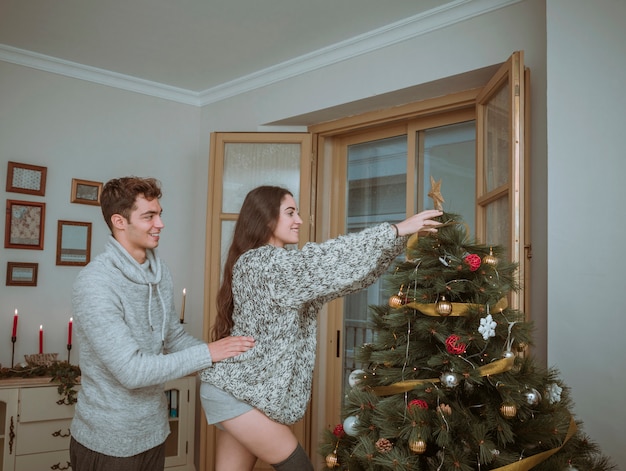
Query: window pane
(228, 228)
(497, 140)
(376, 193)
(449, 155)
(497, 218)
(248, 165)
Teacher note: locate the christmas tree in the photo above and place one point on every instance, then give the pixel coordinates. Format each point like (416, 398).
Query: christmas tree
(449, 384)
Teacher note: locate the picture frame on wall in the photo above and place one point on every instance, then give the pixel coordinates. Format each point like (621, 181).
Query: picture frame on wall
(86, 192)
(24, 228)
(21, 274)
(73, 243)
(26, 178)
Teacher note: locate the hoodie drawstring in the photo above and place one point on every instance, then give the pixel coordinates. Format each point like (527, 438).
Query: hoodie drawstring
(150, 312)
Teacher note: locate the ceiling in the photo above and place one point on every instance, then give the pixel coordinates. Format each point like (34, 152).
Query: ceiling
(193, 45)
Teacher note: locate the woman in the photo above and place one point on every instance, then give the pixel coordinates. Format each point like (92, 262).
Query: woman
(273, 295)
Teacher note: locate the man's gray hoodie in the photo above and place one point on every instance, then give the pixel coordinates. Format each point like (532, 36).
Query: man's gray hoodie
(130, 343)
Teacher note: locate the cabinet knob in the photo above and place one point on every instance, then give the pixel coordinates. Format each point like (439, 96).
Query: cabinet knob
(11, 436)
(59, 433)
(58, 466)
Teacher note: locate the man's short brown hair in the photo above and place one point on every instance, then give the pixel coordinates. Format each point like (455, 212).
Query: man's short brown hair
(119, 195)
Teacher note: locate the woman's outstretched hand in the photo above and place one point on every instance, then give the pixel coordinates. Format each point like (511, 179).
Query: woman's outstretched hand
(420, 223)
(229, 347)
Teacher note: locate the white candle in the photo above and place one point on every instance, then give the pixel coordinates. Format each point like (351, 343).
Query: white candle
(182, 309)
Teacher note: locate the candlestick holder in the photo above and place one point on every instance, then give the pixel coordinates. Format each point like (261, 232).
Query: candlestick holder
(13, 340)
(69, 348)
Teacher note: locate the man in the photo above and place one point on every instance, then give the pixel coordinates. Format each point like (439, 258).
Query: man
(131, 341)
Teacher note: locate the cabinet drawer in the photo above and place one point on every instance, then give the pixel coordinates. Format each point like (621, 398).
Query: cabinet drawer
(41, 404)
(41, 461)
(38, 437)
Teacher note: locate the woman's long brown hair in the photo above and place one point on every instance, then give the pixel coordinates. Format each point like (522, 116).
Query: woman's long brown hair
(255, 225)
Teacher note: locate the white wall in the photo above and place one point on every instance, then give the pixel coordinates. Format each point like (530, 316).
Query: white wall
(94, 132)
(81, 130)
(586, 166)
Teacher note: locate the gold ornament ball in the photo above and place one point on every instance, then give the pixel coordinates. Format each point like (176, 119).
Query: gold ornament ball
(396, 301)
(490, 259)
(444, 307)
(508, 410)
(331, 460)
(417, 446)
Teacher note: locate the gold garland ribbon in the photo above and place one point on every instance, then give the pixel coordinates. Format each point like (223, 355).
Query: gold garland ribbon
(495, 367)
(458, 309)
(532, 461)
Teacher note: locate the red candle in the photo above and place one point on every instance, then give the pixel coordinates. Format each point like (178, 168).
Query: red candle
(69, 332)
(41, 339)
(14, 325)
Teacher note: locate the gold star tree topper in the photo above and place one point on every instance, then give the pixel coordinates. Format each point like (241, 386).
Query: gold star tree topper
(435, 194)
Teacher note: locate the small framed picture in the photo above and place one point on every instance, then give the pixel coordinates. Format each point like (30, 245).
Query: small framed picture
(25, 178)
(73, 243)
(22, 274)
(86, 192)
(24, 226)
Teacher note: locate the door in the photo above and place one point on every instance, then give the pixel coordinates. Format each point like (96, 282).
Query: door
(239, 163)
(501, 176)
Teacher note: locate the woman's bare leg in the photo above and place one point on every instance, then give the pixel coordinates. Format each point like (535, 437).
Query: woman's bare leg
(260, 436)
(232, 455)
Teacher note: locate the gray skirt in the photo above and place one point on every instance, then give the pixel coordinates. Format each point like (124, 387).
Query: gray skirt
(220, 405)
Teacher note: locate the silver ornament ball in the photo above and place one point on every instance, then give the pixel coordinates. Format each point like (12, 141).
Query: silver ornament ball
(532, 397)
(355, 377)
(449, 379)
(350, 424)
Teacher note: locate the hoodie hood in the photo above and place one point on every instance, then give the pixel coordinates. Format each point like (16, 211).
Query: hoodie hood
(149, 273)
(143, 274)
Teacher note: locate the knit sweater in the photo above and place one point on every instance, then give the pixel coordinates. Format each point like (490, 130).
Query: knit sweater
(130, 343)
(277, 295)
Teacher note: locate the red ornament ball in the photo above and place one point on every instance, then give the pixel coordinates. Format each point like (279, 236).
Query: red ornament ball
(421, 403)
(454, 345)
(338, 431)
(473, 261)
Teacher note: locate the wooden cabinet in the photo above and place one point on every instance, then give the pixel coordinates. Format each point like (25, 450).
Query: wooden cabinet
(8, 427)
(179, 446)
(43, 430)
(35, 429)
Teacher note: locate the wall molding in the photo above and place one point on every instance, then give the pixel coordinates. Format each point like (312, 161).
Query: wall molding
(453, 12)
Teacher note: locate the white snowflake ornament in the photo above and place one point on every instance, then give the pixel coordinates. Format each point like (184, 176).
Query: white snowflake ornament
(487, 327)
(553, 392)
